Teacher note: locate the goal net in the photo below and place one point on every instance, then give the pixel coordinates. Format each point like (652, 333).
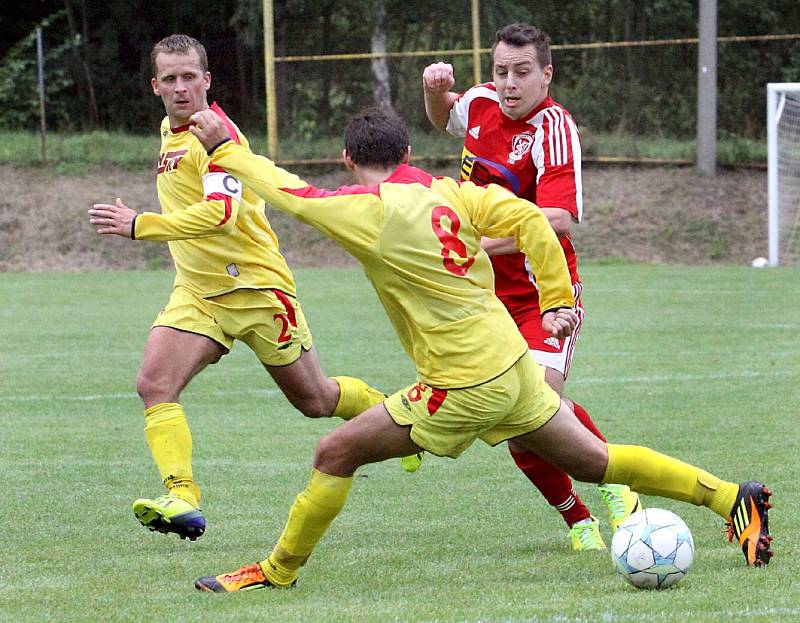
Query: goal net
(783, 159)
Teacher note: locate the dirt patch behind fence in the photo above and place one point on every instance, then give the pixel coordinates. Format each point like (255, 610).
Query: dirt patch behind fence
(647, 214)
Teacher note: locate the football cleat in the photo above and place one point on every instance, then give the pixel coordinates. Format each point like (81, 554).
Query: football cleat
(586, 536)
(169, 513)
(621, 502)
(749, 523)
(247, 578)
(412, 462)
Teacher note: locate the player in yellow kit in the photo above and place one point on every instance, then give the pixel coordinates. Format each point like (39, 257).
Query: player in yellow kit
(418, 240)
(231, 283)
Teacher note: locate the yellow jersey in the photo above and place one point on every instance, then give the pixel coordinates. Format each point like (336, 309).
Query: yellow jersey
(218, 233)
(418, 240)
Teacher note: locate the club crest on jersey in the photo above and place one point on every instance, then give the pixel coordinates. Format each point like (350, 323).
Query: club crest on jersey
(520, 145)
(170, 160)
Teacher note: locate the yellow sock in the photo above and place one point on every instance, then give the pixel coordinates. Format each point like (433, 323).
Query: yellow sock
(170, 444)
(649, 472)
(355, 397)
(311, 514)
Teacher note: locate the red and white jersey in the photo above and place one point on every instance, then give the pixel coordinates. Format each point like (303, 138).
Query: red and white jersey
(538, 158)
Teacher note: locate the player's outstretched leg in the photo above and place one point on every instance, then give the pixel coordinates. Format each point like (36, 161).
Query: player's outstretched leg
(749, 523)
(247, 578)
(355, 397)
(619, 499)
(744, 506)
(169, 513)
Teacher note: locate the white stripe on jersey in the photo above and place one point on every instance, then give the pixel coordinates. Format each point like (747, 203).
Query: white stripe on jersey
(553, 141)
(562, 134)
(575, 141)
(459, 113)
(557, 138)
(550, 142)
(537, 151)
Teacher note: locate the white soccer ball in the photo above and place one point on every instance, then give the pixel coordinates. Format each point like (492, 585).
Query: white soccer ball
(760, 262)
(653, 548)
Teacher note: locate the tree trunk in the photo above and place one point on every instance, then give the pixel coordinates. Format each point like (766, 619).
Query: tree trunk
(81, 56)
(245, 105)
(324, 106)
(380, 66)
(283, 104)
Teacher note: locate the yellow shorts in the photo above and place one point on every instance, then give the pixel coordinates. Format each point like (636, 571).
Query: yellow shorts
(445, 422)
(270, 322)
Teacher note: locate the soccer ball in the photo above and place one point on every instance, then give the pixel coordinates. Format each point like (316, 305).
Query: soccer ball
(653, 548)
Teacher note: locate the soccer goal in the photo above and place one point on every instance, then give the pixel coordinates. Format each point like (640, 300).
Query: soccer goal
(783, 161)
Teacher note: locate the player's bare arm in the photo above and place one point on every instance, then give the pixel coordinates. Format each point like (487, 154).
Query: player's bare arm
(560, 323)
(116, 219)
(437, 81)
(498, 246)
(209, 129)
(560, 220)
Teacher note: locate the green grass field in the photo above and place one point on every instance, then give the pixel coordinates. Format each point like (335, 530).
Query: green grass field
(701, 363)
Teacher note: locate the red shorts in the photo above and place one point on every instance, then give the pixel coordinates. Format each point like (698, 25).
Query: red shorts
(547, 350)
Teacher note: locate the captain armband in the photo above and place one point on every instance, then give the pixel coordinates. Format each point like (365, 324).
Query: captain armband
(221, 185)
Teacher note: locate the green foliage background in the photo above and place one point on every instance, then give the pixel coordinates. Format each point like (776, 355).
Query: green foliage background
(649, 90)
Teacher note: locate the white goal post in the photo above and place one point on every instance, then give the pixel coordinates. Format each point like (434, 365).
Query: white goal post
(783, 171)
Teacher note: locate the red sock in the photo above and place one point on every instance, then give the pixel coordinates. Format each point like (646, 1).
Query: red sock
(584, 419)
(554, 485)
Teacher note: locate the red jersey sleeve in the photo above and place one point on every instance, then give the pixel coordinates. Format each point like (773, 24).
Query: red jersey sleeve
(558, 164)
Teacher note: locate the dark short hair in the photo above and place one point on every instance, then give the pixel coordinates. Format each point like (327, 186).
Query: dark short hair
(376, 137)
(520, 35)
(179, 44)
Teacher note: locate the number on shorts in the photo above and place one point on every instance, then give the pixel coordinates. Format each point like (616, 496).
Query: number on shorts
(450, 240)
(435, 401)
(289, 319)
(285, 336)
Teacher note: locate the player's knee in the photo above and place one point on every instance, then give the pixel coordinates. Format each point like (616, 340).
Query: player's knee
(332, 456)
(144, 385)
(153, 388)
(313, 407)
(314, 404)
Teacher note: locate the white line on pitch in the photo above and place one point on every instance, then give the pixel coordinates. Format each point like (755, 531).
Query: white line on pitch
(119, 395)
(661, 378)
(658, 378)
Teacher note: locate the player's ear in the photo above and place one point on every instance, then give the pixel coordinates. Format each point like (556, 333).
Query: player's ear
(548, 75)
(406, 155)
(154, 85)
(348, 161)
(207, 80)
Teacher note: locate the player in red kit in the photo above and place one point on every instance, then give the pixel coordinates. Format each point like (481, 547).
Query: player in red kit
(517, 136)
